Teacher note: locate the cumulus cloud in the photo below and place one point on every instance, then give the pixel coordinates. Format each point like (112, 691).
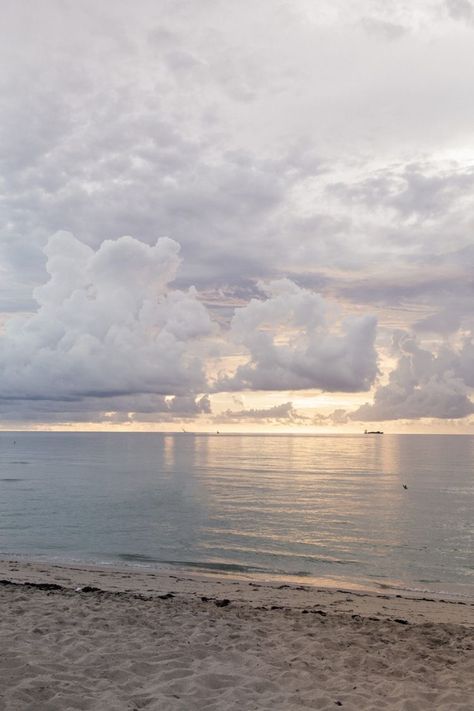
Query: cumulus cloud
(285, 412)
(111, 338)
(106, 325)
(424, 384)
(295, 343)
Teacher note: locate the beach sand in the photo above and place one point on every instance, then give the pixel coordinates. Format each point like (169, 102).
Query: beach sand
(89, 638)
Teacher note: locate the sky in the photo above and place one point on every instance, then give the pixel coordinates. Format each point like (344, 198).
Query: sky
(251, 216)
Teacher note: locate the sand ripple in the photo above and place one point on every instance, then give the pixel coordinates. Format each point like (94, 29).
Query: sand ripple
(66, 650)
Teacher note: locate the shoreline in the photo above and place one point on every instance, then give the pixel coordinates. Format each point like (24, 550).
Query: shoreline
(447, 591)
(415, 607)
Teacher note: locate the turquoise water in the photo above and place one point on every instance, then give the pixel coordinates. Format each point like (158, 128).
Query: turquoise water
(326, 508)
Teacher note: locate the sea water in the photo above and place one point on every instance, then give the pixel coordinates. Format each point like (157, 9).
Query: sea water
(325, 508)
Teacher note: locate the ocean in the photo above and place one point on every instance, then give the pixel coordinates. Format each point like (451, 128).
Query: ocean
(326, 509)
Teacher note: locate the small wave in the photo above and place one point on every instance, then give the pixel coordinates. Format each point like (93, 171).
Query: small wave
(10, 479)
(251, 552)
(217, 566)
(224, 567)
(237, 568)
(433, 591)
(137, 558)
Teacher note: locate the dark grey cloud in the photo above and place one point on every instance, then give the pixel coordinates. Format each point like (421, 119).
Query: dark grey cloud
(108, 409)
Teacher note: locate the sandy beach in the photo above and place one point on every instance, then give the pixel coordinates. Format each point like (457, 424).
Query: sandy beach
(89, 638)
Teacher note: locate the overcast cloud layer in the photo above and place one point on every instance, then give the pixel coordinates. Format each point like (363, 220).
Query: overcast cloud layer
(297, 181)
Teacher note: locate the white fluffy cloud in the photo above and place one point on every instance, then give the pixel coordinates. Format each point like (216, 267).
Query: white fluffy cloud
(112, 339)
(106, 325)
(296, 343)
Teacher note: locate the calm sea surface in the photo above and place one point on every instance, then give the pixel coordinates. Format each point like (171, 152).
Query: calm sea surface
(327, 508)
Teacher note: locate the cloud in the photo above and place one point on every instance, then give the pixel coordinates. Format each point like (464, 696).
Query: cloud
(103, 410)
(424, 384)
(426, 194)
(381, 28)
(338, 417)
(329, 143)
(221, 137)
(295, 343)
(285, 412)
(112, 340)
(178, 409)
(106, 325)
(444, 322)
(460, 10)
